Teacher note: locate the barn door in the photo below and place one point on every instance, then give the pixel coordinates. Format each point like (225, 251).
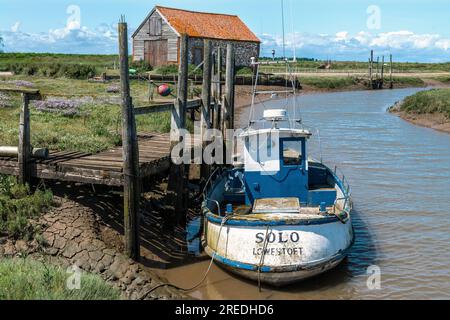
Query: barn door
(156, 52)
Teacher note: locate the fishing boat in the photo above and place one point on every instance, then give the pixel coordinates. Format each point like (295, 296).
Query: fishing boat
(277, 216)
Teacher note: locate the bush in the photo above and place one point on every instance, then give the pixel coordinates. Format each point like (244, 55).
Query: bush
(27, 279)
(141, 66)
(72, 71)
(18, 205)
(244, 71)
(170, 69)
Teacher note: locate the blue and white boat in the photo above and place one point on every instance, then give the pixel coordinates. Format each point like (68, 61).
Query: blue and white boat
(278, 216)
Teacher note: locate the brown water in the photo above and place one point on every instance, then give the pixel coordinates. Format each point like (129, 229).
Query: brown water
(400, 177)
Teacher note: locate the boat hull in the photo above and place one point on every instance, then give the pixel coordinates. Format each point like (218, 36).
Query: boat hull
(277, 252)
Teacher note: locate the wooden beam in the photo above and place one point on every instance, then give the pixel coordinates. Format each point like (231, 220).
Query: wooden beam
(177, 176)
(229, 88)
(24, 142)
(168, 107)
(205, 113)
(228, 102)
(130, 153)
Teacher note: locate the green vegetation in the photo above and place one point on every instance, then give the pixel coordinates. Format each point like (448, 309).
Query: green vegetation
(56, 65)
(329, 82)
(432, 101)
(310, 65)
(172, 69)
(96, 128)
(18, 205)
(26, 279)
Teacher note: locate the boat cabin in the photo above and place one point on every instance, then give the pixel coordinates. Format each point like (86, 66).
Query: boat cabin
(276, 166)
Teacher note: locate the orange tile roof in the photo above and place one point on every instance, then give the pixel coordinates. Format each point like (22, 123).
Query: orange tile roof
(208, 25)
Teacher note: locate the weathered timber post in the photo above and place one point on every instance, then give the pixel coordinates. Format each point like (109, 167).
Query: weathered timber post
(205, 119)
(177, 179)
(371, 69)
(217, 91)
(228, 101)
(382, 73)
(130, 153)
(24, 141)
(391, 84)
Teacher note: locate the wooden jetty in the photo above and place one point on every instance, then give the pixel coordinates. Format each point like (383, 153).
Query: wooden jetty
(105, 168)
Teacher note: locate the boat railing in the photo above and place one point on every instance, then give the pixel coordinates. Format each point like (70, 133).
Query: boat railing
(208, 185)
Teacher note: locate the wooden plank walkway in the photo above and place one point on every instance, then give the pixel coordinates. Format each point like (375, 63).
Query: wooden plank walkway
(103, 168)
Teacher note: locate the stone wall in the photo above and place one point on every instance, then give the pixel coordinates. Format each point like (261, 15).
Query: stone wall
(244, 50)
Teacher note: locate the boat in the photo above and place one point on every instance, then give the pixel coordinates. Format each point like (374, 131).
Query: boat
(277, 216)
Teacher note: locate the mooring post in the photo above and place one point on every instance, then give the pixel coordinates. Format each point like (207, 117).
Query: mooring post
(391, 85)
(24, 141)
(217, 91)
(371, 69)
(382, 72)
(131, 185)
(205, 116)
(177, 179)
(228, 101)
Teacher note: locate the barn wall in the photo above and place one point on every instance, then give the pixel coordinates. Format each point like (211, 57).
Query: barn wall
(167, 34)
(244, 50)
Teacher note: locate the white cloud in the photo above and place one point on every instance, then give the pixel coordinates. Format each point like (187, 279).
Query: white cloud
(70, 39)
(15, 27)
(404, 45)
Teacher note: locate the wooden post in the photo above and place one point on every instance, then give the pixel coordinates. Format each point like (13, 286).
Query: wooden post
(371, 69)
(391, 85)
(130, 153)
(24, 141)
(228, 100)
(206, 102)
(177, 179)
(382, 72)
(217, 91)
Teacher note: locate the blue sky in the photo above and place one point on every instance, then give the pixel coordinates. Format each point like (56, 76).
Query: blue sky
(413, 30)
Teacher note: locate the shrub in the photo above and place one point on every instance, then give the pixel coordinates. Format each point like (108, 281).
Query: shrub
(73, 71)
(66, 107)
(141, 66)
(18, 205)
(167, 70)
(244, 71)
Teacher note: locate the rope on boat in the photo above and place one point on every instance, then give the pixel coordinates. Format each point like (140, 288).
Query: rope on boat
(224, 220)
(263, 255)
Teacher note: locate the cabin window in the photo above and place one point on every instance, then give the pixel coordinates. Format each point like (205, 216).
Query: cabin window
(155, 26)
(292, 152)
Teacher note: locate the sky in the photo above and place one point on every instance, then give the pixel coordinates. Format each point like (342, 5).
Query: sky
(412, 30)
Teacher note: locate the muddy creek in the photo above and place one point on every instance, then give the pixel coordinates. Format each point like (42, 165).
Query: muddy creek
(400, 178)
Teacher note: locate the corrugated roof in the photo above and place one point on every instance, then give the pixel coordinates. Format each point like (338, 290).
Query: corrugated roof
(208, 25)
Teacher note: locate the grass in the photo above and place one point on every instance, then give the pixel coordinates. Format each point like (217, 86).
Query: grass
(27, 279)
(425, 102)
(98, 128)
(329, 82)
(18, 204)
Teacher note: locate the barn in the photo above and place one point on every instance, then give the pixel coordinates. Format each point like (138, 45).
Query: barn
(157, 40)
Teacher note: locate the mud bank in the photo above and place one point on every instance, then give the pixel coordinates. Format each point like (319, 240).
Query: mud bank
(74, 234)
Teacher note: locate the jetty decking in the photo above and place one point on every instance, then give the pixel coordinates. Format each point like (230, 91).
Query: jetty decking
(105, 168)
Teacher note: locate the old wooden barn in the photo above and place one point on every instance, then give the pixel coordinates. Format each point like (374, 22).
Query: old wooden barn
(157, 40)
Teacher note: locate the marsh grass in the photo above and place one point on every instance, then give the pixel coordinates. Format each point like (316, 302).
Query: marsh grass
(18, 205)
(428, 102)
(27, 279)
(94, 128)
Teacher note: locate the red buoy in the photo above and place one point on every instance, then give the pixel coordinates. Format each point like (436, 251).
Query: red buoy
(164, 90)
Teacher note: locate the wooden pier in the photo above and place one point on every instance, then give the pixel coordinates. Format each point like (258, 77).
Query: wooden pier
(105, 168)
